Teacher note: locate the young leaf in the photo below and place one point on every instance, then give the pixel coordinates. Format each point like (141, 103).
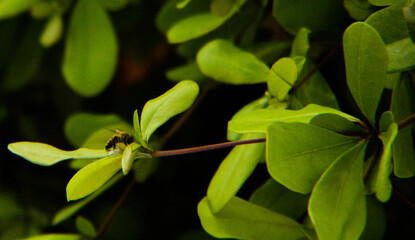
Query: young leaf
(243, 220)
(73, 208)
(137, 130)
(159, 110)
(234, 171)
(91, 49)
(389, 23)
(10, 8)
(366, 66)
(85, 227)
(46, 155)
(281, 78)
(259, 120)
(187, 71)
(358, 10)
(338, 204)
(80, 126)
(221, 7)
(92, 177)
(379, 181)
(402, 148)
(277, 198)
(298, 153)
(401, 55)
(316, 15)
(55, 236)
(224, 62)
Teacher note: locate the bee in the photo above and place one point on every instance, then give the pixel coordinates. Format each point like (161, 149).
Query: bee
(120, 137)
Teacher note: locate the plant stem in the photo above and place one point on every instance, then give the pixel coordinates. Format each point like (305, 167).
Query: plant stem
(204, 148)
(405, 122)
(401, 196)
(314, 70)
(114, 209)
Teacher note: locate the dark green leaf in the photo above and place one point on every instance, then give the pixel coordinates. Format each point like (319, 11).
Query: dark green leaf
(402, 148)
(91, 49)
(159, 110)
(144, 168)
(298, 153)
(338, 204)
(385, 2)
(221, 8)
(269, 52)
(337, 123)
(315, 90)
(10, 8)
(72, 209)
(243, 220)
(114, 5)
(187, 71)
(300, 44)
(389, 23)
(46, 155)
(358, 9)
(221, 60)
(409, 13)
(234, 171)
(28, 57)
(366, 66)
(85, 227)
(316, 15)
(401, 55)
(276, 197)
(376, 220)
(92, 177)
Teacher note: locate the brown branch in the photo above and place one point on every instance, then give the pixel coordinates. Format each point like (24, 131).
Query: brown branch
(407, 121)
(401, 196)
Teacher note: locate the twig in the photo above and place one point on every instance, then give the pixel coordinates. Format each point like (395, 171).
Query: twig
(405, 122)
(401, 196)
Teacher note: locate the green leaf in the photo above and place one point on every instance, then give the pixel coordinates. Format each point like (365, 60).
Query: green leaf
(221, 8)
(259, 120)
(199, 24)
(357, 9)
(338, 204)
(298, 153)
(187, 71)
(92, 177)
(10, 8)
(389, 23)
(243, 220)
(28, 57)
(281, 78)
(55, 236)
(222, 61)
(234, 171)
(401, 55)
(52, 32)
(277, 198)
(409, 13)
(385, 2)
(267, 52)
(114, 5)
(316, 15)
(80, 127)
(315, 90)
(144, 168)
(46, 155)
(376, 220)
(73, 208)
(129, 155)
(91, 49)
(337, 123)
(256, 104)
(402, 148)
(85, 227)
(159, 110)
(379, 181)
(300, 44)
(366, 66)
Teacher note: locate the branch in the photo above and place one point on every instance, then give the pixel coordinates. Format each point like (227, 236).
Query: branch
(407, 121)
